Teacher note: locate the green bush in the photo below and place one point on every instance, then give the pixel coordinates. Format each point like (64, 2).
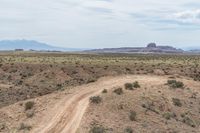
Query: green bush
(30, 114)
(169, 82)
(132, 116)
(96, 99)
(97, 129)
(2, 126)
(188, 121)
(105, 91)
(169, 115)
(118, 91)
(177, 102)
(128, 86)
(24, 127)
(175, 84)
(149, 106)
(128, 130)
(29, 105)
(136, 84)
(91, 80)
(59, 86)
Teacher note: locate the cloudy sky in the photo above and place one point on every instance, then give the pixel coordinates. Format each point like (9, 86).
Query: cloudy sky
(102, 23)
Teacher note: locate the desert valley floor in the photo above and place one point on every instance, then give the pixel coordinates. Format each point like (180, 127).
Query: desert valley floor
(81, 93)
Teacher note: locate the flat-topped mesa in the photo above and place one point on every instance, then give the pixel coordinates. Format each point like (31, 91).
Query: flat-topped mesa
(151, 45)
(150, 48)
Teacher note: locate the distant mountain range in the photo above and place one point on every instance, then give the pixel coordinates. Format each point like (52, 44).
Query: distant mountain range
(150, 48)
(31, 45)
(194, 51)
(38, 46)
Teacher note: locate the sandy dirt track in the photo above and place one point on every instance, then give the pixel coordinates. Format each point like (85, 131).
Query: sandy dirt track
(66, 116)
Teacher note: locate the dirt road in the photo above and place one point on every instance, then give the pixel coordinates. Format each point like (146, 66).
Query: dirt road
(66, 116)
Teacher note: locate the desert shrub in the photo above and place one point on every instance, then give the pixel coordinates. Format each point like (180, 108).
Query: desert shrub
(194, 95)
(128, 130)
(118, 91)
(29, 114)
(18, 82)
(2, 126)
(96, 99)
(136, 84)
(149, 106)
(128, 86)
(188, 121)
(59, 86)
(105, 91)
(183, 115)
(91, 80)
(132, 116)
(23, 126)
(169, 115)
(197, 77)
(29, 105)
(97, 129)
(175, 84)
(172, 77)
(169, 82)
(178, 84)
(177, 102)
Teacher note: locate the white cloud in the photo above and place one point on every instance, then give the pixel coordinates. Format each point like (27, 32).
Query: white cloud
(190, 16)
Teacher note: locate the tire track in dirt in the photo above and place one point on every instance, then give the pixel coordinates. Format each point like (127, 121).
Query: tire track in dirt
(70, 110)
